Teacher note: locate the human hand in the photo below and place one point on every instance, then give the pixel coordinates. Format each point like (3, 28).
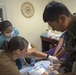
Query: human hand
(55, 72)
(49, 70)
(53, 59)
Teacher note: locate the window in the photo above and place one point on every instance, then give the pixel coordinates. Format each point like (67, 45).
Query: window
(2, 13)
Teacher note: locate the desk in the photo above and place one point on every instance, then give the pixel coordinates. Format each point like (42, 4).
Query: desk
(46, 63)
(46, 41)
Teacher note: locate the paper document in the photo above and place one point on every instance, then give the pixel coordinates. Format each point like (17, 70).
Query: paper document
(37, 70)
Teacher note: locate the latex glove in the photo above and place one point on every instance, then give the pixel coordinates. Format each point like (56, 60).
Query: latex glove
(53, 59)
(55, 72)
(49, 69)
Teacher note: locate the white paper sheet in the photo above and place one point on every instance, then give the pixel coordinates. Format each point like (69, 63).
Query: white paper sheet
(37, 70)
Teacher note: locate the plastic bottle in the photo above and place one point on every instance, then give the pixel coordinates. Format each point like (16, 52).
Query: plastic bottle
(48, 33)
(32, 61)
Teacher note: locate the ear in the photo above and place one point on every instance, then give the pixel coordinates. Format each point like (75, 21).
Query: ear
(18, 51)
(62, 18)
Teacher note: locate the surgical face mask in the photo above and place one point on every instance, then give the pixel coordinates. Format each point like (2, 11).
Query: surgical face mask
(9, 35)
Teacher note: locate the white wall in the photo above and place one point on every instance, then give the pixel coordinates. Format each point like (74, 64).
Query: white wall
(31, 28)
(71, 4)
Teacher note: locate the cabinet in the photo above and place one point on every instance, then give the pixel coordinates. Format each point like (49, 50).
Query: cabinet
(46, 42)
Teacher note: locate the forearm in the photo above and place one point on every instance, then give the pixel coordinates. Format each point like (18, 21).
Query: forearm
(56, 50)
(61, 53)
(59, 46)
(39, 55)
(36, 54)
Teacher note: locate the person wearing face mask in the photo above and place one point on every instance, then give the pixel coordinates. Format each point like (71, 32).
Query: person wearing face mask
(9, 35)
(7, 31)
(16, 48)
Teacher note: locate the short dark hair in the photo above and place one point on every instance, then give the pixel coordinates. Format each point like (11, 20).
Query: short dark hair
(53, 10)
(15, 43)
(5, 24)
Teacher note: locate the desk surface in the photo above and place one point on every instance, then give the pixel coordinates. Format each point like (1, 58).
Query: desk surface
(46, 63)
(49, 39)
